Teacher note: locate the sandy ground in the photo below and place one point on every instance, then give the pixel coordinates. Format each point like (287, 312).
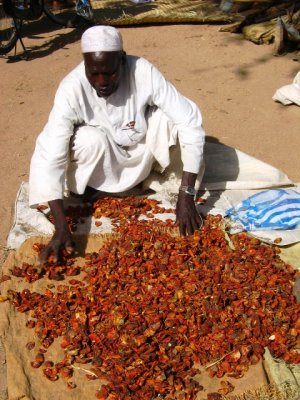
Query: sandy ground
(232, 81)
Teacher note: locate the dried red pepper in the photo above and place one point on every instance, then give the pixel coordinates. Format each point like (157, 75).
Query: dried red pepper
(152, 306)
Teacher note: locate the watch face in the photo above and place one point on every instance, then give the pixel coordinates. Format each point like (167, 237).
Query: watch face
(190, 190)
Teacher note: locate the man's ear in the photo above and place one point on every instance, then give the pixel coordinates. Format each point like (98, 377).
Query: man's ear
(123, 56)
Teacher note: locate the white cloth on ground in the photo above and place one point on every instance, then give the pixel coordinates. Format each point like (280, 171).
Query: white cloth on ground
(225, 168)
(289, 94)
(123, 116)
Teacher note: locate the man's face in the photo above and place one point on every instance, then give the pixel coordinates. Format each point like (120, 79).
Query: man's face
(103, 71)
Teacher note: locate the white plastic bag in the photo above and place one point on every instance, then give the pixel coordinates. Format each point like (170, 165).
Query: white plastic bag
(269, 209)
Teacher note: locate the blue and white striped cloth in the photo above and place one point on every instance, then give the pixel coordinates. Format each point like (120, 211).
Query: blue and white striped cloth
(269, 209)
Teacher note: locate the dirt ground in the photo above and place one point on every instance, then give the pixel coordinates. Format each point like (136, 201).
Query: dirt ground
(231, 79)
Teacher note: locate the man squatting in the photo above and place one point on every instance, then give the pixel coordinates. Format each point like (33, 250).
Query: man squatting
(113, 116)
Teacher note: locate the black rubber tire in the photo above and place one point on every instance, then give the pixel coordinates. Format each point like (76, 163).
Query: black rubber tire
(8, 31)
(60, 15)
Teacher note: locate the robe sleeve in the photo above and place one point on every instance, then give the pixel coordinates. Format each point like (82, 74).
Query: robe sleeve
(185, 115)
(50, 157)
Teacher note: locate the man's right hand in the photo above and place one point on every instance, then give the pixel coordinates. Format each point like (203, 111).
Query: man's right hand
(62, 241)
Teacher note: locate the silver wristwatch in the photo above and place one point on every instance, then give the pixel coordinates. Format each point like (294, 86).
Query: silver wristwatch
(188, 190)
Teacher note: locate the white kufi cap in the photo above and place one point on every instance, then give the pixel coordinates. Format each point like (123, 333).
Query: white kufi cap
(101, 38)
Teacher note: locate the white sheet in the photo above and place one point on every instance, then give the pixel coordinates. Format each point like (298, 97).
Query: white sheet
(227, 181)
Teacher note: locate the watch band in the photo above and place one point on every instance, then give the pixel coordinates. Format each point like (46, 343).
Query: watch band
(188, 190)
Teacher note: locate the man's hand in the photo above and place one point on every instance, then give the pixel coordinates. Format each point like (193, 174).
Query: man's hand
(187, 217)
(61, 241)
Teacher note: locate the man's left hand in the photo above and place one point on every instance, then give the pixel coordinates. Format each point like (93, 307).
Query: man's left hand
(187, 217)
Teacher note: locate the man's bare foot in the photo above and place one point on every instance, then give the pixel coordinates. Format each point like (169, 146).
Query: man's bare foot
(90, 195)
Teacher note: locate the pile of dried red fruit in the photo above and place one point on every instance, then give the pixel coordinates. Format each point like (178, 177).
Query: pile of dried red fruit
(118, 209)
(150, 307)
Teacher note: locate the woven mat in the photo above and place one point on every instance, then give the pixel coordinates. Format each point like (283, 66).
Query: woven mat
(27, 383)
(116, 12)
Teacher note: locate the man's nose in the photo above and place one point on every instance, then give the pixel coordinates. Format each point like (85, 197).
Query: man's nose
(103, 80)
